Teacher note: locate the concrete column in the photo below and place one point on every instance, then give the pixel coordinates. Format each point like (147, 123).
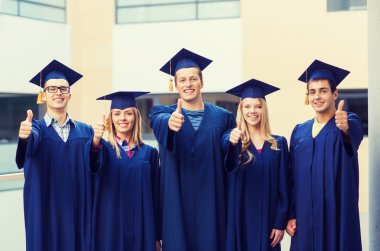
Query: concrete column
(374, 122)
(91, 23)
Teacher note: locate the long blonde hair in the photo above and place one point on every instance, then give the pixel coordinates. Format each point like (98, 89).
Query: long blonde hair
(264, 129)
(136, 133)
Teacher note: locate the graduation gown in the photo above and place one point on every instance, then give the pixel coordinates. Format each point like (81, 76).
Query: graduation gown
(125, 199)
(325, 189)
(192, 179)
(258, 197)
(57, 192)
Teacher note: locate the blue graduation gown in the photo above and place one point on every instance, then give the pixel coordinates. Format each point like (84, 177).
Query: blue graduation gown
(192, 179)
(125, 199)
(325, 189)
(258, 197)
(57, 189)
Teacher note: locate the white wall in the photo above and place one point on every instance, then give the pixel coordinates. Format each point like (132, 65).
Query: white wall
(140, 50)
(26, 47)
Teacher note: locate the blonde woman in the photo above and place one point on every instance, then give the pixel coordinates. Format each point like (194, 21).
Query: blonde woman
(125, 212)
(257, 165)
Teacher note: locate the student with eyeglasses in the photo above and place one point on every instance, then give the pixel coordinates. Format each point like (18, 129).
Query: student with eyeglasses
(57, 208)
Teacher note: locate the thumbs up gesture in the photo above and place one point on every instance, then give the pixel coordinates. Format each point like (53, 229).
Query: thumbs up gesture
(26, 126)
(176, 119)
(99, 129)
(236, 133)
(341, 119)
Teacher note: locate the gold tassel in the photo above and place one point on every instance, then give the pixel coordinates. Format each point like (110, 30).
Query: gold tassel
(306, 102)
(171, 85)
(39, 98)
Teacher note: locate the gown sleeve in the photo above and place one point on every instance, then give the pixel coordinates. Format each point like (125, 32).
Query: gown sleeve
(27, 148)
(291, 213)
(156, 193)
(355, 134)
(283, 186)
(159, 119)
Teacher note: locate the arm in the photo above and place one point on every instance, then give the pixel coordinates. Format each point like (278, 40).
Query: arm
(155, 172)
(291, 227)
(159, 122)
(232, 151)
(28, 143)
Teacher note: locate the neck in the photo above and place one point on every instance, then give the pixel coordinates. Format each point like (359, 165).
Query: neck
(254, 132)
(193, 105)
(58, 114)
(324, 117)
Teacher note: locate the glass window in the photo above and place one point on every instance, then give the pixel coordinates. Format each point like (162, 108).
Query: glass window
(219, 9)
(156, 13)
(339, 5)
(228, 105)
(13, 111)
(138, 11)
(9, 7)
(48, 10)
(356, 101)
(144, 106)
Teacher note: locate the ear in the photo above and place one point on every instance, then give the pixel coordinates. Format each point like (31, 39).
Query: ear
(336, 94)
(202, 84)
(69, 95)
(44, 96)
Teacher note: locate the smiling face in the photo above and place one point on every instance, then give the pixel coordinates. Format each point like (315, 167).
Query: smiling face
(58, 100)
(252, 110)
(188, 82)
(321, 97)
(123, 121)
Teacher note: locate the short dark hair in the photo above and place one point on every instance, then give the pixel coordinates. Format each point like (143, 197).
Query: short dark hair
(332, 86)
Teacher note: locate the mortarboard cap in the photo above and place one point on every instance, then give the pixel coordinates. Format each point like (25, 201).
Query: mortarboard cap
(55, 70)
(319, 69)
(185, 59)
(252, 89)
(122, 99)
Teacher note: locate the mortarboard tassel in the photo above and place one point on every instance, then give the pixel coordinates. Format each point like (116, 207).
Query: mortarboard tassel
(306, 102)
(171, 84)
(39, 97)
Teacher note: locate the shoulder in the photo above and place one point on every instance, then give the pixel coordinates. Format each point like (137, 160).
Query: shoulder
(148, 148)
(85, 128)
(217, 109)
(162, 109)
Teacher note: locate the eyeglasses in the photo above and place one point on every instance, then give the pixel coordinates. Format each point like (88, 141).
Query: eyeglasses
(54, 89)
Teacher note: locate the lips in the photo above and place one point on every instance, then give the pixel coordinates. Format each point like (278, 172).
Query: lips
(188, 91)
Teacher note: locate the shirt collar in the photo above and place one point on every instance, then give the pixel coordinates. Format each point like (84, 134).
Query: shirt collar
(49, 120)
(120, 141)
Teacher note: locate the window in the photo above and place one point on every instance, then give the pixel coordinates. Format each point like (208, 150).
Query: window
(12, 112)
(339, 5)
(139, 11)
(356, 101)
(228, 105)
(144, 106)
(48, 10)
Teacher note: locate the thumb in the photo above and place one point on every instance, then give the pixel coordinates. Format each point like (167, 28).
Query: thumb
(341, 105)
(179, 105)
(238, 124)
(29, 116)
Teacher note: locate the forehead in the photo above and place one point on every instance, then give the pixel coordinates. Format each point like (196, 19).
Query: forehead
(56, 82)
(251, 101)
(185, 72)
(319, 84)
(129, 109)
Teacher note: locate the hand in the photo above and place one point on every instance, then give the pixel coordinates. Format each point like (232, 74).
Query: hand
(341, 119)
(158, 245)
(291, 228)
(276, 237)
(26, 126)
(176, 119)
(236, 133)
(99, 129)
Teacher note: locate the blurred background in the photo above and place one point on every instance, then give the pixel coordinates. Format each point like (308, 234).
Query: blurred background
(122, 44)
